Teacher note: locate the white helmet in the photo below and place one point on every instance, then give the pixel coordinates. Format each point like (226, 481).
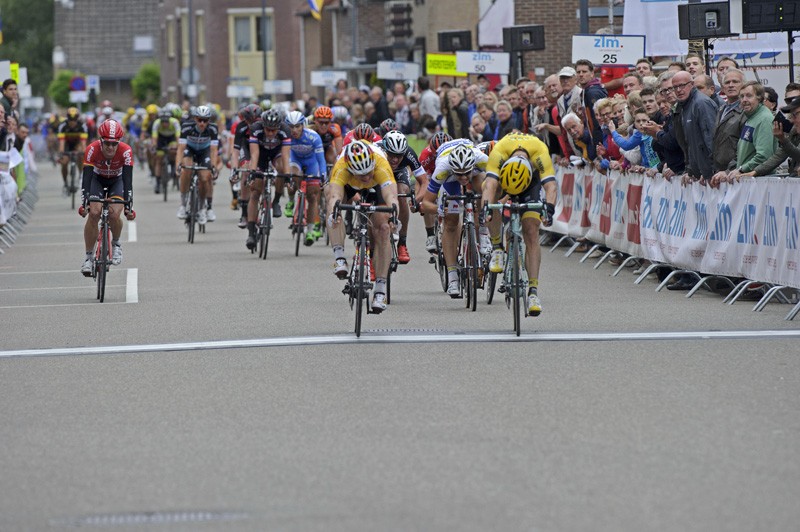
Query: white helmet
(203, 111)
(462, 159)
(295, 118)
(359, 158)
(340, 112)
(395, 143)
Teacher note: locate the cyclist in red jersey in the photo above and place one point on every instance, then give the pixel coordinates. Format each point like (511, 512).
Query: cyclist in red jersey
(427, 158)
(107, 172)
(362, 131)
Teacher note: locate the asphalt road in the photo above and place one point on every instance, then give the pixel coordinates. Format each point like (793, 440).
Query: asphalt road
(215, 391)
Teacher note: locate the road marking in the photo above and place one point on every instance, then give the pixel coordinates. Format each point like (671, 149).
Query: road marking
(65, 304)
(42, 272)
(132, 286)
(131, 231)
(51, 288)
(450, 337)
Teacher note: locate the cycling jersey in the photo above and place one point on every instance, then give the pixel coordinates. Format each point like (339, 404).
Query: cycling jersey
(409, 161)
(147, 124)
(269, 149)
(537, 152)
(427, 158)
(170, 128)
(308, 154)
(198, 140)
(350, 134)
(334, 132)
(113, 174)
(72, 135)
(381, 177)
(241, 134)
(443, 174)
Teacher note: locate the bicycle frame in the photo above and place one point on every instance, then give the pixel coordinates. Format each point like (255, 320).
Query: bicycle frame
(102, 251)
(469, 263)
(194, 201)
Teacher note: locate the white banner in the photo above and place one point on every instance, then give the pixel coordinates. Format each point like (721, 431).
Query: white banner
(483, 62)
(608, 49)
(399, 70)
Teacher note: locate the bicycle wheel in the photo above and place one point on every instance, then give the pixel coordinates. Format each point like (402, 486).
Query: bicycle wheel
(103, 266)
(471, 261)
(440, 263)
(265, 221)
(491, 283)
(192, 219)
(360, 287)
(166, 175)
(516, 286)
(73, 169)
(299, 221)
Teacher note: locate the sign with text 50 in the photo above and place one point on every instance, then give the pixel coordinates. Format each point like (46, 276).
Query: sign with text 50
(608, 49)
(483, 62)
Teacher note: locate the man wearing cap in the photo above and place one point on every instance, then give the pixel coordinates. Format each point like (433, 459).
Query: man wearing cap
(570, 99)
(788, 144)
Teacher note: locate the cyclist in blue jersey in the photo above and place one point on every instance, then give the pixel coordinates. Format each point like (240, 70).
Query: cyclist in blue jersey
(307, 159)
(197, 145)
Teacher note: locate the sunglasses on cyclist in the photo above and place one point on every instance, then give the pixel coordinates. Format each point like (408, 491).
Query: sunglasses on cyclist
(110, 143)
(323, 122)
(202, 120)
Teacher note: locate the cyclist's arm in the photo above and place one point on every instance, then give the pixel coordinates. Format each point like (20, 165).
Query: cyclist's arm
(389, 193)
(286, 155)
(86, 180)
(336, 195)
(214, 155)
(255, 151)
(319, 152)
(127, 185)
(489, 193)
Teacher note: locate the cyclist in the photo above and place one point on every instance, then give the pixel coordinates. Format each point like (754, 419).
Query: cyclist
(520, 164)
(166, 132)
(198, 146)
(403, 161)
(362, 169)
(427, 158)
(329, 132)
(108, 165)
(146, 139)
(341, 117)
(240, 156)
(386, 126)
(106, 113)
(458, 164)
(269, 144)
(362, 131)
(72, 136)
(307, 163)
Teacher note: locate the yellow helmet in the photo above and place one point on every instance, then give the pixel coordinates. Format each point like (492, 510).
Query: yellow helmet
(73, 113)
(516, 175)
(130, 111)
(152, 109)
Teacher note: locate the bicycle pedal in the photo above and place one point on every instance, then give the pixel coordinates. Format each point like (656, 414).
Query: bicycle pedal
(501, 289)
(432, 260)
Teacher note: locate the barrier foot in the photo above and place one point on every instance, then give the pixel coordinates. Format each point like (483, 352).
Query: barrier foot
(560, 240)
(736, 289)
(654, 266)
(3, 239)
(704, 282)
(10, 235)
(588, 253)
(772, 292)
(793, 312)
(744, 286)
(602, 259)
(624, 264)
(571, 250)
(672, 274)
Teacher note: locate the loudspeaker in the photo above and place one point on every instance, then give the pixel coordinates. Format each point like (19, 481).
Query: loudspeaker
(379, 53)
(759, 16)
(704, 21)
(523, 38)
(455, 41)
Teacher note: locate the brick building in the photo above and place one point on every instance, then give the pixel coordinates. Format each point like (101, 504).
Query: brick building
(90, 46)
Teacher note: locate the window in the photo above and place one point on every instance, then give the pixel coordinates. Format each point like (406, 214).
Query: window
(241, 31)
(269, 36)
(170, 37)
(200, 28)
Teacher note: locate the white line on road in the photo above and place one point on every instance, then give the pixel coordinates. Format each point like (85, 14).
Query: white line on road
(52, 288)
(131, 231)
(403, 339)
(132, 287)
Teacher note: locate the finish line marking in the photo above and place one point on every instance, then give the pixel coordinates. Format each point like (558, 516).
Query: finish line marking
(402, 339)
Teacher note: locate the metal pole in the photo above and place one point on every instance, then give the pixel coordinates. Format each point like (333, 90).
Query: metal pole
(791, 56)
(190, 16)
(355, 29)
(264, 37)
(584, 9)
(611, 16)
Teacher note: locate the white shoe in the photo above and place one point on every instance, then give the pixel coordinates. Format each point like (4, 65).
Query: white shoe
(340, 268)
(211, 215)
(182, 212)
(86, 269)
(486, 244)
(378, 302)
(202, 218)
(430, 243)
(116, 255)
(498, 261)
(534, 305)
(454, 288)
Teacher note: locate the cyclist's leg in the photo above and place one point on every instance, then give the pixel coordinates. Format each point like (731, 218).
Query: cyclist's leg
(381, 248)
(256, 188)
(90, 229)
(452, 225)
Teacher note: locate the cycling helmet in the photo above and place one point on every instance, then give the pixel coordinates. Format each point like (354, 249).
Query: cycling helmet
(462, 159)
(250, 112)
(395, 143)
(265, 104)
(203, 111)
(486, 147)
(108, 110)
(340, 112)
(295, 118)
(110, 130)
(323, 112)
(271, 118)
(438, 139)
(106, 103)
(359, 158)
(164, 114)
(389, 125)
(363, 131)
(515, 175)
(73, 113)
(152, 109)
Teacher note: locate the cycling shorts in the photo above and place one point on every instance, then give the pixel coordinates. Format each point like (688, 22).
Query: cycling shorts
(451, 188)
(201, 157)
(368, 195)
(101, 187)
(401, 176)
(163, 142)
(308, 166)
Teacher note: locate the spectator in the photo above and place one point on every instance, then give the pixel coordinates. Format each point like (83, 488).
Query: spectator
(673, 160)
(556, 141)
(483, 82)
(488, 115)
(479, 130)
(729, 122)
(429, 103)
(771, 100)
(638, 139)
(490, 98)
(705, 84)
(632, 82)
(505, 119)
(10, 96)
(756, 143)
(579, 137)
(399, 88)
(513, 97)
(608, 154)
(697, 116)
(592, 92)
(676, 66)
(381, 113)
(611, 78)
(788, 145)
(695, 64)
(644, 67)
(791, 92)
(650, 104)
(723, 65)
(535, 114)
(457, 120)
(570, 99)
(529, 112)
(471, 96)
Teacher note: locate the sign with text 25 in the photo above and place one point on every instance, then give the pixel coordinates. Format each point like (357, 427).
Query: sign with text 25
(608, 49)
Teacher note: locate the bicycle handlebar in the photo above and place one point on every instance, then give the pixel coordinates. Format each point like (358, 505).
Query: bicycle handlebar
(107, 200)
(516, 207)
(362, 208)
(413, 198)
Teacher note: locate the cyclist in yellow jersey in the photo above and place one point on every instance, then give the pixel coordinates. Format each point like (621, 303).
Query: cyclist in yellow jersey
(520, 166)
(146, 136)
(363, 169)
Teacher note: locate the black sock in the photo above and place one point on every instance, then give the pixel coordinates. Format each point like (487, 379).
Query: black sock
(401, 241)
(251, 228)
(429, 231)
(243, 203)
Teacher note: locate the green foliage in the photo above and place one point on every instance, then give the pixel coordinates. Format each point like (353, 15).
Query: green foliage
(28, 39)
(59, 88)
(147, 83)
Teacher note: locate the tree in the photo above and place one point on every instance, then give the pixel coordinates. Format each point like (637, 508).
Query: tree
(147, 83)
(59, 87)
(28, 39)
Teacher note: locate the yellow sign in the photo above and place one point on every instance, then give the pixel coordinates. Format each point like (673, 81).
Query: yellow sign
(15, 72)
(442, 65)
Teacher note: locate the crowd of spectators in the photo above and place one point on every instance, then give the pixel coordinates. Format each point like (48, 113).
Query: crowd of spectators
(16, 154)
